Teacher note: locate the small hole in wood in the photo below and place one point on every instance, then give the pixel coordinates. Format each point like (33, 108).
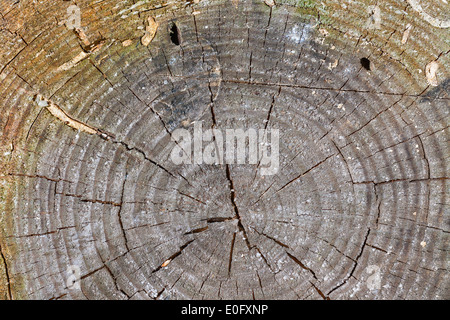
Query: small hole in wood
(365, 63)
(175, 35)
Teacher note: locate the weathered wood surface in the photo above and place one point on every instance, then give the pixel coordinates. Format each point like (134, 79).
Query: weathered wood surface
(86, 179)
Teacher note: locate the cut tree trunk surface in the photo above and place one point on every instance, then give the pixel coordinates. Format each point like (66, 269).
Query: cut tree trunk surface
(89, 195)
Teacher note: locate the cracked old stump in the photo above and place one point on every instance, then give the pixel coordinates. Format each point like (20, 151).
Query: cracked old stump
(357, 209)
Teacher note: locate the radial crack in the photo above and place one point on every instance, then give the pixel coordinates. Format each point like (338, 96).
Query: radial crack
(230, 260)
(297, 261)
(119, 213)
(304, 173)
(172, 257)
(235, 207)
(8, 280)
(355, 264)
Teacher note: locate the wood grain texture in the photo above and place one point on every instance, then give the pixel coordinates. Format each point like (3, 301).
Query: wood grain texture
(363, 179)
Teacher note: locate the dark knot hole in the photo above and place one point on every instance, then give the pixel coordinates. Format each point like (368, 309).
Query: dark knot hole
(175, 35)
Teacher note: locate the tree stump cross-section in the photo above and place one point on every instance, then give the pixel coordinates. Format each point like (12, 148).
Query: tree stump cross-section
(92, 205)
